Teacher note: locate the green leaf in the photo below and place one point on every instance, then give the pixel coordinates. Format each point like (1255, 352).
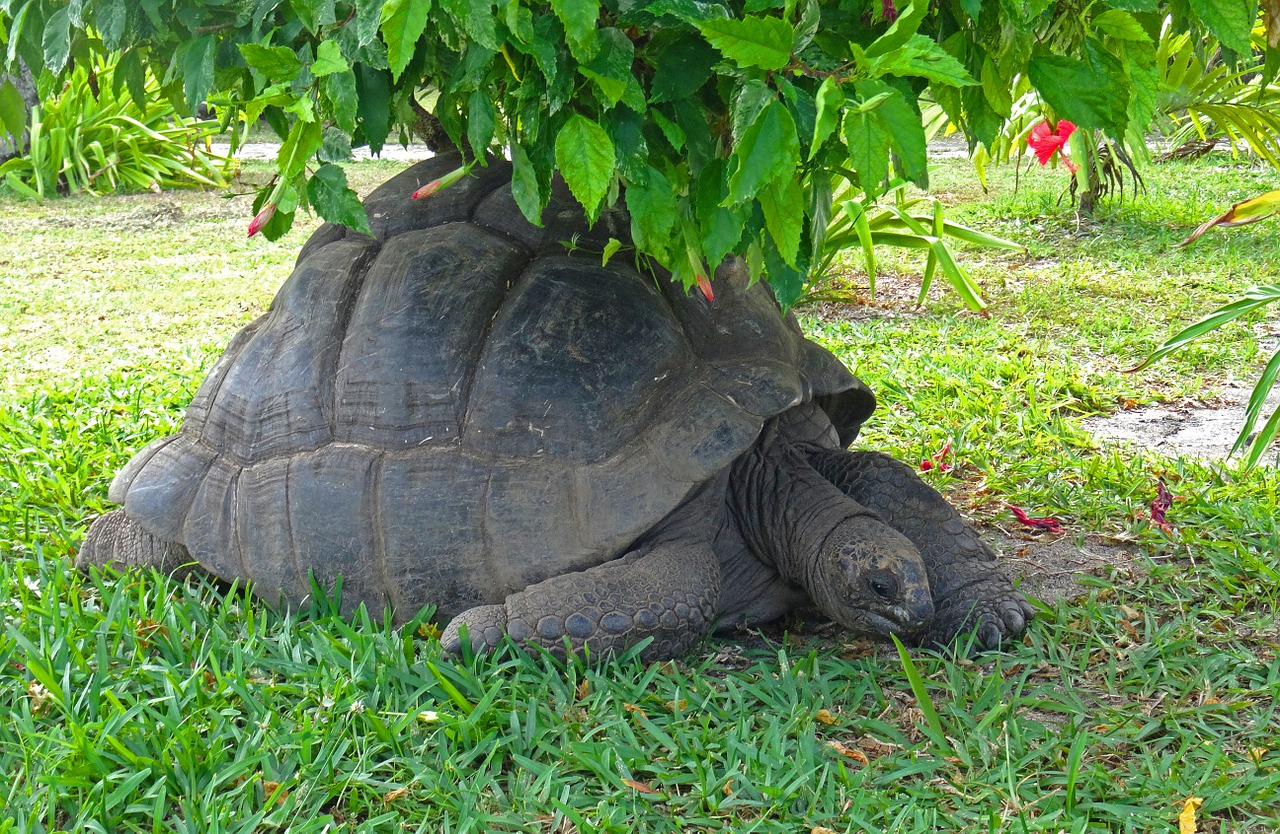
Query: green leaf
(868, 151)
(903, 126)
(768, 150)
(763, 42)
(652, 206)
(130, 73)
(328, 60)
(721, 226)
(585, 157)
(1230, 21)
(783, 205)
(830, 100)
(477, 19)
(56, 40)
(302, 143)
(681, 66)
(1121, 25)
(277, 63)
(1093, 92)
(527, 185)
(335, 201)
(403, 22)
(13, 110)
(340, 88)
(110, 21)
(579, 19)
(197, 69)
(925, 58)
(481, 120)
(902, 30)
(610, 69)
(314, 13)
(996, 88)
(373, 87)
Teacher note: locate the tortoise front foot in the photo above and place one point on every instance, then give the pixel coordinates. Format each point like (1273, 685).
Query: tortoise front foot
(986, 606)
(485, 625)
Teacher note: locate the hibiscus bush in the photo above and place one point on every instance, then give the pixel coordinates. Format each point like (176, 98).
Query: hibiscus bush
(721, 124)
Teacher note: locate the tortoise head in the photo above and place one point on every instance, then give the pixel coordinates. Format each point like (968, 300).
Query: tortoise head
(870, 578)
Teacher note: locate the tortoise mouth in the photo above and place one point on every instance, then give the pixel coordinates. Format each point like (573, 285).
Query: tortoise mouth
(886, 620)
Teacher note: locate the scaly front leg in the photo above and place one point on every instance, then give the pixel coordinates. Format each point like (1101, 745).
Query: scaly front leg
(667, 591)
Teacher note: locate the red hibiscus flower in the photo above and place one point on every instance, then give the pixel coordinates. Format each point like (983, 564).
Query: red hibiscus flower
(1045, 142)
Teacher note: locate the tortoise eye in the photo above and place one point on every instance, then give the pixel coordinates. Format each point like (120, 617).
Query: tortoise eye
(882, 587)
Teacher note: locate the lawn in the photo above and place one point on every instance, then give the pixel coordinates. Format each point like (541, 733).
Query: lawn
(139, 703)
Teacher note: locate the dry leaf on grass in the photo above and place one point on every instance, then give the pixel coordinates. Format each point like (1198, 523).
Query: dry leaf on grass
(639, 786)
(392, 796)
(849, 752)
(1187, 819)
(824, 716)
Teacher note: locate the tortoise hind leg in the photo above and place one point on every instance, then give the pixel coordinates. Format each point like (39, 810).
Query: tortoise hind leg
(970, 593)
(117, 540)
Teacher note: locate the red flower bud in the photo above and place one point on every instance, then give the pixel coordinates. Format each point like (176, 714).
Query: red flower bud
(262, 218)
(437, 184)
(889, 9)
(705, 286)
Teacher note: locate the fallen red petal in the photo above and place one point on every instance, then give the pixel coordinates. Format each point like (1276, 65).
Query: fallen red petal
(926, 465)
(1161, 504)
(1048, 523)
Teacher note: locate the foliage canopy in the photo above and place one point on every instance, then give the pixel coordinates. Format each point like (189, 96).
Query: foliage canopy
(721, 124)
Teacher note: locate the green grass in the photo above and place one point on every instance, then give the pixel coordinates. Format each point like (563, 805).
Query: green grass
(139, 703)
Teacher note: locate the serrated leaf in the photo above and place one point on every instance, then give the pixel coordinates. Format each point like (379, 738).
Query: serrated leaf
(610, 69)
(902, 125)
(477, 20)
(768, 150)
(403, 22)
(526, 185)
(585, 157)
(334, 200)
(579, 19)
(1093, 92)
(197, 69)
(721, 225)
(373, 86)
(830, 100)
(783, 205)
(652, 206)
(1121, 25)
(1230, 21)
(481, 120)
(302, 143)
(56, 40)
(681, 66)
(924, 58)
(868, 151)
(110, 21)
(340, 88)
(328, 60)
(277, 63)
(902, 30)
(996, 88)
(763, 42)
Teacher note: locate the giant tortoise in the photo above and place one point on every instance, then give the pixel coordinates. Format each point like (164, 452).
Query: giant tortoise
(475, 413)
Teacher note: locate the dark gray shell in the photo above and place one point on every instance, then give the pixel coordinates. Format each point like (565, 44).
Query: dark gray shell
(458, 409)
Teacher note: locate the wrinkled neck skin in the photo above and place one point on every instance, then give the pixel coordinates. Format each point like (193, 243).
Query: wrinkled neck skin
(785, 510)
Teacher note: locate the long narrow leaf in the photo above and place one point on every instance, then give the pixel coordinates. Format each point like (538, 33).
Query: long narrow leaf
(1252, 300)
